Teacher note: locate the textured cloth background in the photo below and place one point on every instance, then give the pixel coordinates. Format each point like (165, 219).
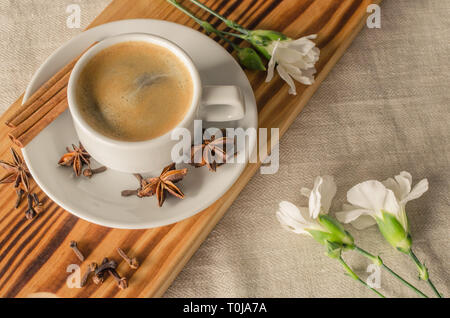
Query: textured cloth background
(384, 108)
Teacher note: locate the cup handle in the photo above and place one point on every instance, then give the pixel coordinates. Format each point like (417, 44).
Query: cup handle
(221, 103)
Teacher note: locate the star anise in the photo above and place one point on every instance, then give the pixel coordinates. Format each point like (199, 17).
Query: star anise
(161, 185)
(17, 172)
(212, 152)
(76, 158)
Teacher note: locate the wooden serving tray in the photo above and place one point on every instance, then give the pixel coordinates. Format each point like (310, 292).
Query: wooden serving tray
(34, 254)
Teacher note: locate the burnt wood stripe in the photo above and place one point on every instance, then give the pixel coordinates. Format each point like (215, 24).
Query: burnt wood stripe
(29, 251)
(217, 8)
(13, 217)
(350, 11)
(37, 220)
(12, 231)
(257, 18)
(323, 19)
(294, 14)
(231, 8)
(246, 11)
(9, 197)
(20, 249)
(243, 18)
(55, 242)
(261, 16)
(17, 237)
(27, 228)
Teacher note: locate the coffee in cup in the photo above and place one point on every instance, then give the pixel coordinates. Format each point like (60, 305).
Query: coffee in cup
(134, 91)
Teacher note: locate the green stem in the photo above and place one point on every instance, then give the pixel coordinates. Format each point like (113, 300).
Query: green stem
(356, 277)
(202, 23)
(239, 36)
(229, 23)
(377, 260)
(423, 272)
(220, 34)
(417, 291)
(186, 11)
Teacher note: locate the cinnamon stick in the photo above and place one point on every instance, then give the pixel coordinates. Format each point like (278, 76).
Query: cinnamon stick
(42, 101)
(43, 94)
(38, 114)
(23, 139)
(16, 104)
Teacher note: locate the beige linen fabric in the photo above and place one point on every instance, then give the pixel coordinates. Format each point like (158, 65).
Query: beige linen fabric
(384, 108)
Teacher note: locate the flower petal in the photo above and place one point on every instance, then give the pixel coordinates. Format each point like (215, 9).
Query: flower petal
(373, 195)
(289, 55)
(287, 224)
(272, 62)
(404, 184)
(328, 191)
(292, 211)
(407, 175)
(391, 184)
(306, 80)
(417, 191)
(291, 218)
(304, 44)
(285, 76)
(315, 199)
(363, 222)
(350, 213)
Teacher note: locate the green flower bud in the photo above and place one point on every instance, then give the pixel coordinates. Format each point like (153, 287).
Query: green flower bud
(267, 36)
(334, 236)
(394, 232)
(337, 230)
(260, 39)
(250, 59)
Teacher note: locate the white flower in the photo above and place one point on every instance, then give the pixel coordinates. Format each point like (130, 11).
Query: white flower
(295, 58)
(300, 220)
(370, 199)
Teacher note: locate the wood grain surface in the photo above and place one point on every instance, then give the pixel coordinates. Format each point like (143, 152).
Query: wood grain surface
(34, 254)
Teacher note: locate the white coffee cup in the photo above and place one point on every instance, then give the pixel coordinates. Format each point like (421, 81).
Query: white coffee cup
(210, 103)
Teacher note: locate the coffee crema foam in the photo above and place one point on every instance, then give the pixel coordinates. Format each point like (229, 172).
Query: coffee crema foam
(134, 91)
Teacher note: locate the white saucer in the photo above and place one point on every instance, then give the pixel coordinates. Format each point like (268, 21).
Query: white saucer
(99, 199)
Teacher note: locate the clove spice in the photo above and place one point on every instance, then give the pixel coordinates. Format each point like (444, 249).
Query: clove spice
(38, 207)
(20, 194)
(121, 281)
(74, 247)
(129, 193)
(30, 213)
(99, 276)
(132, 262)
(88, 172)
(91, 269)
